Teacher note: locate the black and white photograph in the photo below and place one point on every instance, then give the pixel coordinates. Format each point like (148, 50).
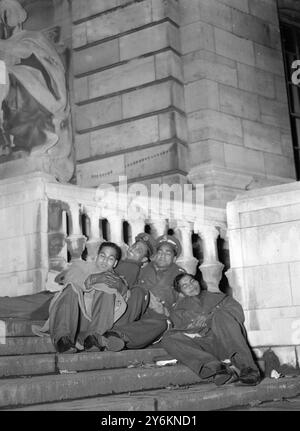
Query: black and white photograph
(149, 209)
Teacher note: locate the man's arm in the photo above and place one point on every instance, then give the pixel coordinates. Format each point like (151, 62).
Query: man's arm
(110, 279)
(129, 270)
(157, 305)
(234, 308)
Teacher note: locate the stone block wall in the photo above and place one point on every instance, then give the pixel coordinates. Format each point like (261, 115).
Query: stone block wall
(235, 96)
(166, 88)
(128, 91)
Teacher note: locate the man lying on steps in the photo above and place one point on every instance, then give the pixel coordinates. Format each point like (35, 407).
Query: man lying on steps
(208, 335)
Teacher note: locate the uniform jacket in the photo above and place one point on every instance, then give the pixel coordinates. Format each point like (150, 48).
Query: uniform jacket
(205, 304)
(160, 282)
(129, 269)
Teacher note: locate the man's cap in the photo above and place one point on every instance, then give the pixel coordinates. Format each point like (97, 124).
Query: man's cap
(148, 240)
(171, 240)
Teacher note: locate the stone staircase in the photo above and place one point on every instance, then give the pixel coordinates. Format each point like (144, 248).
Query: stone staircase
(33, 373)
(34, 377)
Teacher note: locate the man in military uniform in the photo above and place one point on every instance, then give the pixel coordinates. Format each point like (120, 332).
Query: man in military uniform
(36, 306)
(156, 279)
(208, 335)
(138, 255)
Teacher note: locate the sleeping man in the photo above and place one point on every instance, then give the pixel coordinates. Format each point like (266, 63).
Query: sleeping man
(208, 335)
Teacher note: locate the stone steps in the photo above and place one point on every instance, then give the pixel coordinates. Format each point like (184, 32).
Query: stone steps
(19, 327)
(37, 364)
(57, 387)
(33, 373)
(198, 397)
(26, 346)
(34, 377)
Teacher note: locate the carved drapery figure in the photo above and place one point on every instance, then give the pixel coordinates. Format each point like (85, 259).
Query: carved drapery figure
(35, 116)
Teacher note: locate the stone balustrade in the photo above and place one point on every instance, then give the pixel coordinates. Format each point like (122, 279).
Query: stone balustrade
(69, 223)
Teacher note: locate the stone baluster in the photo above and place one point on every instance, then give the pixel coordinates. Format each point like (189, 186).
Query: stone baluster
(116, 232)
(186, 260)
(64, 251)
(76, 240)
(56, 236)
(211, 267)
(158, 227)
(137, 226)
(95, 237)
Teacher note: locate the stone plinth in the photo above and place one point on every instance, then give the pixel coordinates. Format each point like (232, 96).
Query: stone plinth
(23, 234)
(264, 240)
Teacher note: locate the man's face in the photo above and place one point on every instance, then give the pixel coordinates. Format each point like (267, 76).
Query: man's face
(189, 286)
(107, 258)
(137, 251)
(165, 256)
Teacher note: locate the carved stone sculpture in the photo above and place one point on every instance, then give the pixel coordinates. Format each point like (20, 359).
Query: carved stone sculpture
(35, 115)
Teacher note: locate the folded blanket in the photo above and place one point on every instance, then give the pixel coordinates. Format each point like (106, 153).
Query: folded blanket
(76, 276)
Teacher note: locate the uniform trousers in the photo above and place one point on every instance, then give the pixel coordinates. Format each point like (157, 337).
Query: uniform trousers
(67, 319)
(226, 339)
(140, 326)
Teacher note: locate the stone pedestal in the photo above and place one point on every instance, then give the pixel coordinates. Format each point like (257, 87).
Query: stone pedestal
(264, 238)
(24, 260)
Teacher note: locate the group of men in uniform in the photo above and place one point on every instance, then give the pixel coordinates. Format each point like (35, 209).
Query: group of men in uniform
(113, 304)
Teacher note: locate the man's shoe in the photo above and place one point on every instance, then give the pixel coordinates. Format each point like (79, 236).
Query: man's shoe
(249, 376)
(114, 341)
(65, 344)
(225, 375)
(91, 343)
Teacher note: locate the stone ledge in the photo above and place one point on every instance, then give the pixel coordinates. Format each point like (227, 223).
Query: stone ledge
(38, 364)
(132, 149)
(20, 391)
(202, 397)
(170, 108)
(125, 33)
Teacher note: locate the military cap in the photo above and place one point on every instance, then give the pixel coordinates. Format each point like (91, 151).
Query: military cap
(171, 240)
(148, 240)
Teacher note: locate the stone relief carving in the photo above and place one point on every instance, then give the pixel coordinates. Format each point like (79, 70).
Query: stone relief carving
(35, 114)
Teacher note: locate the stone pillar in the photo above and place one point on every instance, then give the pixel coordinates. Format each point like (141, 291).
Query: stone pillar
(235, 97)
(116, 232)
(76, 241)
(211, 268)
(186, 259)
(137, 226)
(158, 227)
(95, 238)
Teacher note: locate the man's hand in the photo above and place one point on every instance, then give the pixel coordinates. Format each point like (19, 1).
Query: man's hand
(109, 278)
(60, 278)
(157, 305)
